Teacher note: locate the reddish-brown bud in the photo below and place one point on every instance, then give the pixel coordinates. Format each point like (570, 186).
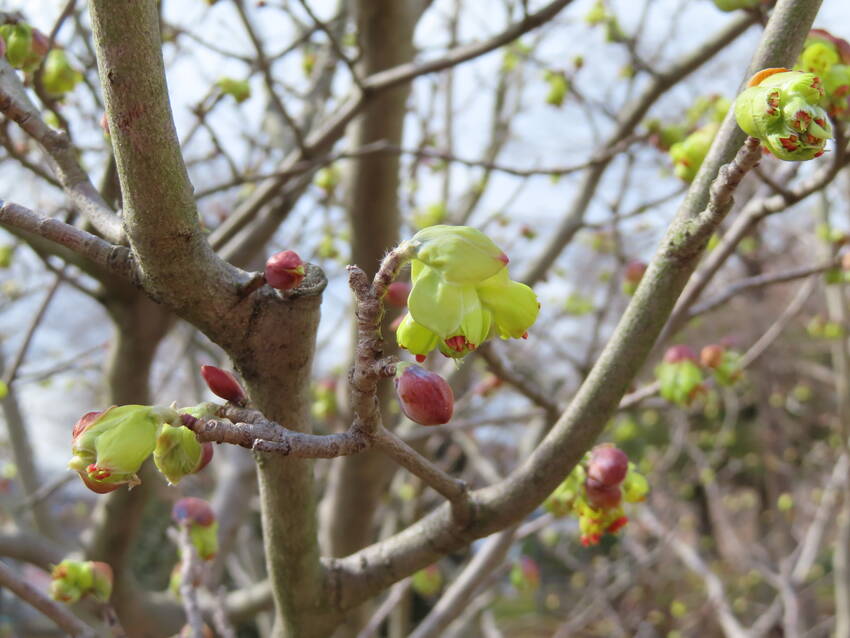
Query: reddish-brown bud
(207, 451)
(712, 356)
(601, 496)
(679, 353)
(192, 510)
(40, 43)
(634, 271)
(284, 270)
(397, 293)
(608, 465)
(223, 384)
(426, 398)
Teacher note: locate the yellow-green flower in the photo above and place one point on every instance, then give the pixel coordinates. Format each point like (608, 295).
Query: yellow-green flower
(461, 294)
(782, 109)
(109, 447)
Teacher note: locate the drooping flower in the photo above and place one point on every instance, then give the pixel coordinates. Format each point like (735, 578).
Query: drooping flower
(178, 453)
(109, 447)
(461, 294)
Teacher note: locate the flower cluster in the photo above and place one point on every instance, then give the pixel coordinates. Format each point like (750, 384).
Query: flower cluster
(70, 580)
(829, 58)
(595, 491)
(25, 47)
(461, 294)
(782, 109)
(681, 378)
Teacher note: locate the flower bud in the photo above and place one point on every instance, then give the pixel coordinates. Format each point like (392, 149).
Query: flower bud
(200, 519)
(711, 356)
(601, 496)
(109, 447)
(397, 293)
(608, 465)
(178, 453)
(425, 397)
(689, 154)
(678, 353)
(223, 384)
(782, 109)
(72, 579)
(428, 582)
(284, 270)
(191, 510)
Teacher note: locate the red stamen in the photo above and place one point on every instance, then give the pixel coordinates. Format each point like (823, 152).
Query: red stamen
(421, 357)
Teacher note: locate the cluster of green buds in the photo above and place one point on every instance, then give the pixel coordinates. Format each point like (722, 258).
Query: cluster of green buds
(71, 580)
(595, 492)
(25, 46)
(559, 86)
(680, 373)
(782, 109)
(461, 294)
(828, 57)
(820, 328)
(109, 447)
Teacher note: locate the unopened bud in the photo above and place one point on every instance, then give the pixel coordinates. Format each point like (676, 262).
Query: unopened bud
(427, 582)
(192, 510)
(601, 496)
(284, 270)
(635, 271)
(712, 356)
(426, 398)
(223, 384)
(679, 353)
(525, 575)
(178, 453)
(608, 465)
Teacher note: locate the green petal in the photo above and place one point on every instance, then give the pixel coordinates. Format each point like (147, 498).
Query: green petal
(460, 254)
(514, 305)
(436, 304)
(415, 338)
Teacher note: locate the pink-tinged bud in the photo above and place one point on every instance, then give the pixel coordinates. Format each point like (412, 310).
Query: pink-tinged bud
(104, 124)
(601, 496)
(608, 465)
(397, 293)
(635, 271)
(487, 385)
(712, 356)
(83, 423)
(426, 398)
(191, 510)
(284, 270)
(679, 353)
(207, 451)
(223, 384)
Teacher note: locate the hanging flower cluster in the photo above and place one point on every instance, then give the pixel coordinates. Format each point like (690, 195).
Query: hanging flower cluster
(782, 109)
(461, 294)
(595, 491)
(71, 580)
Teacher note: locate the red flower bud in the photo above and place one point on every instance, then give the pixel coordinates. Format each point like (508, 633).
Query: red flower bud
(207, 451)
(608, 465)
(284, 270)
(397, 293)
(191, 510)
(425, 396)
(679, 353)
(634, 271)
(712, 356)
(223, 384)
(601, 496)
